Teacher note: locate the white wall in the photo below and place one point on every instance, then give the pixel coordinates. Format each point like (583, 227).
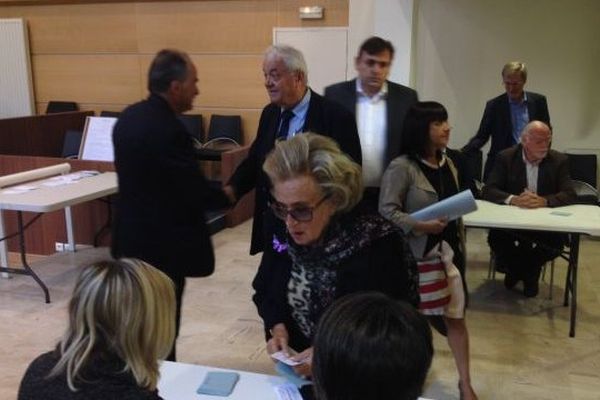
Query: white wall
(390, 19)
(461, 46)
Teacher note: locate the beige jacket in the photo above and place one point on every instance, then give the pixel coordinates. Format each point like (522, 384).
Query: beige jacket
(404, 190)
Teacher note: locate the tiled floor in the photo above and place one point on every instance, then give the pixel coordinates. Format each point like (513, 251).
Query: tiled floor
(520, 347)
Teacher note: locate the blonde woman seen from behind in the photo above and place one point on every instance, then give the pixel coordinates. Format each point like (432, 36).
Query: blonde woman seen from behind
(121, 322)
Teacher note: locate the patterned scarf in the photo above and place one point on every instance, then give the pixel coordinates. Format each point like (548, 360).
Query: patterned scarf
(312, 285)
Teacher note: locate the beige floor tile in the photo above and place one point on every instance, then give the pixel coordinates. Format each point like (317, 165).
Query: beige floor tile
(520, 347)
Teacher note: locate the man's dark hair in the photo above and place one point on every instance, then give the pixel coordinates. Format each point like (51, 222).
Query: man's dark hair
(375, 45)
(167, 66)
(415, 134)
(369, 346)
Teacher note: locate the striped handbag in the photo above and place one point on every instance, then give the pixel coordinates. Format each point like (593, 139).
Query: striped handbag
(433, 286)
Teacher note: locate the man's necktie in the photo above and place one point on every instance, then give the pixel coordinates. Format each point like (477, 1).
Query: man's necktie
(286, 116)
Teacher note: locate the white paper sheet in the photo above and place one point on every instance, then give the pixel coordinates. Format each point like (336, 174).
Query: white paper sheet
(452, 208)
(97, 139)
(287, 391)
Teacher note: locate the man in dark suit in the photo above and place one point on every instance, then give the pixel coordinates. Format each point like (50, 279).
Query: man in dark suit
(286, 78)
(528, 175)
(380, 107)
(294, 108)
(505, 116)
(162, 192)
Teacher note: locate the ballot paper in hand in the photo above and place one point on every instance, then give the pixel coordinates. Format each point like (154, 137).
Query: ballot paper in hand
(452, 208)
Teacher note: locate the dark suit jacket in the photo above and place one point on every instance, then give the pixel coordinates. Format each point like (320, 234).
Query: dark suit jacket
(323, 117)
(509, 176)
(162, 193)
(497, 124)
(399, 100)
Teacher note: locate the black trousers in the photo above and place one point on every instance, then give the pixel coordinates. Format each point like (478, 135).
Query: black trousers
(523, 253)
(179, 283)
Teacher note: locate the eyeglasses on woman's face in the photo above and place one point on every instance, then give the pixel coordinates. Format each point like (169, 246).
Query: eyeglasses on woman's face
(299, 213)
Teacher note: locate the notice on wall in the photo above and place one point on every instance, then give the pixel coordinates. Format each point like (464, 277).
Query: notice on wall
(96, 143)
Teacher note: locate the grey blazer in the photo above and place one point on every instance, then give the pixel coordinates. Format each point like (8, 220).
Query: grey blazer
(404, 190)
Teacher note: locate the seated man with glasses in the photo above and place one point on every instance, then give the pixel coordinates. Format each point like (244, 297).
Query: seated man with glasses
(336, 247)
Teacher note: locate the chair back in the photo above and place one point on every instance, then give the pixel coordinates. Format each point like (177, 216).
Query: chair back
(583, 167)
(194, 126)
(71, 143)
(228, 127)
(61, 106)
(112, 114)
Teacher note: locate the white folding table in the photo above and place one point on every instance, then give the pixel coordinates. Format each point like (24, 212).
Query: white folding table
(45, 199)
(179, 381)
(575, 220)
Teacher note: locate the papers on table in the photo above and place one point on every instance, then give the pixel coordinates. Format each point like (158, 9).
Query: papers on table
(51, 182)
(452, 208)
(68, 178)
(287, 392)
(19, 189)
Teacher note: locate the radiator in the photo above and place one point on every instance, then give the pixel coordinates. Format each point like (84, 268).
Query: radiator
(16, 86)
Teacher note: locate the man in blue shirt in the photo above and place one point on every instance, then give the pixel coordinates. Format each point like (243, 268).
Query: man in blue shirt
(505, 116)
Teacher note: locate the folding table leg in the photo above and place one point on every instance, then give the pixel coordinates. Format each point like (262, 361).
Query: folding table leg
(3, 247)
(574, 259)
(69, 224)
(28, 269)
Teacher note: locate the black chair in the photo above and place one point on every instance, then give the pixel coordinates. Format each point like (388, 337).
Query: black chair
(71, 143)
(474, 164)
(112, 114)
(224, 133)
(194, 125)
(224, 129)
(583, 171)
(61, 106)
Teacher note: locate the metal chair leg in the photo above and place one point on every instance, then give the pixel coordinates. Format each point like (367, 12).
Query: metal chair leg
(551, 279)
(492, 266)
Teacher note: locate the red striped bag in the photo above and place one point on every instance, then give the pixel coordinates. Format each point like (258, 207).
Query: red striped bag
(433, 286)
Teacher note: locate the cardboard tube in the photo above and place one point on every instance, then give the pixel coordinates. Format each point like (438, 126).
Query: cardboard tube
(38, 173)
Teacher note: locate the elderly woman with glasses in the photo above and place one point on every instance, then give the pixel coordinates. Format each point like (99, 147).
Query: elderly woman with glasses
(336, 248)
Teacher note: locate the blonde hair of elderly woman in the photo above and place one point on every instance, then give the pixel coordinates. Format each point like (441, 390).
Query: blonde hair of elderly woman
(318, 156)
(123, 307)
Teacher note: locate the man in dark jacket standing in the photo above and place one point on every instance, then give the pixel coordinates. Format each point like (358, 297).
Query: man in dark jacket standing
(162, 192)
(380, 107)
(293, 108)
(505, 116)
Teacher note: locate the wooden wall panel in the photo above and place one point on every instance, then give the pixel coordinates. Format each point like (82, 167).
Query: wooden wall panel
(238, 27)
(72, 29)
(39, 135)
(336, 13)
(87, 78)
(226, 81)
(97, 53)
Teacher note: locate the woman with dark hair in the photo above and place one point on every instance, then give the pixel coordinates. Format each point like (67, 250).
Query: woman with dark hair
(423, 175)
(336, 246)
(369, 346)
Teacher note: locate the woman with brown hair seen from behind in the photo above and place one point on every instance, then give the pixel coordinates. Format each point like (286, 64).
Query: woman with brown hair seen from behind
(121, 322)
